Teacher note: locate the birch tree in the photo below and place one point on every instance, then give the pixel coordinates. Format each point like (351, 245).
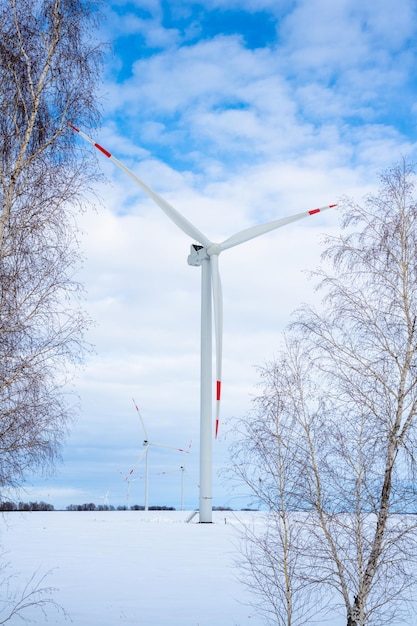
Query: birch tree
(49, 69)
(345, 394)
(274, 551)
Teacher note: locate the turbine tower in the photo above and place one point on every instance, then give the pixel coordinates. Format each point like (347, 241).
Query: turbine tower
(205, 254)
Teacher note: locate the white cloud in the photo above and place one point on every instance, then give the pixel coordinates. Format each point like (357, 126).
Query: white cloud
(327, 36)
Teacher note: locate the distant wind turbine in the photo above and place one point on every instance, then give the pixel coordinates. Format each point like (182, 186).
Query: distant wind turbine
(182, 468)
(147, 443)
(206, 254)
(105, 498)
(129, 479)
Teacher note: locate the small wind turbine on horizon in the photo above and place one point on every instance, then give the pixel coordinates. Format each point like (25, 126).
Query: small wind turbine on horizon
(105, 498)
(182, 468)
(128, 479)
(147, 443)
(205, 254)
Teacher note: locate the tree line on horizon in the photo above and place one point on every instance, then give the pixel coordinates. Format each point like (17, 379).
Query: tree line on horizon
(9, 505)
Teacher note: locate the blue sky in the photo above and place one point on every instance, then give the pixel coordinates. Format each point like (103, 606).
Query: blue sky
(237, 113)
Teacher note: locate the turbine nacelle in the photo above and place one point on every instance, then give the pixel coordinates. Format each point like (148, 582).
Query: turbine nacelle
(197, 255)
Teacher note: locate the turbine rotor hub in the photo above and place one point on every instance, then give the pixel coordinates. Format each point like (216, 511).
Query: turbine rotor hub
(214, 249)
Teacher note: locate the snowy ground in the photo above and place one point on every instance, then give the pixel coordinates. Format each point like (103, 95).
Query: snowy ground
(130, 567)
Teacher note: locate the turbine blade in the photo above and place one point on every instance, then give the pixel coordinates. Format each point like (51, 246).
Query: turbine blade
(168, 472)
(137, 462)
(178, 219)
(218, 329)
(162, 445)
(260, 229)
(141, 420)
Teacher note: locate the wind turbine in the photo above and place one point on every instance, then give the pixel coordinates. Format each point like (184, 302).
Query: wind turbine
(128, 479)
(147, 443)
(183, 470)
(206, 254)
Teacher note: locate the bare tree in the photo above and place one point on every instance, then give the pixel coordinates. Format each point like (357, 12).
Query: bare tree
(273, 552)
(49, 67)
(32, 596)
(345, 395)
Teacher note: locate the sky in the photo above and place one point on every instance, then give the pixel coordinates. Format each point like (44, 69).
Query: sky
(237, 113)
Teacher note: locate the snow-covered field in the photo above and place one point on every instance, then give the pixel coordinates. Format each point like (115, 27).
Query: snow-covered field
(132, 567)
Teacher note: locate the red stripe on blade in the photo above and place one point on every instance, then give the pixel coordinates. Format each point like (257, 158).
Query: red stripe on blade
(218, 389)
(314, 211)
(73, 127)
(103, 150)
